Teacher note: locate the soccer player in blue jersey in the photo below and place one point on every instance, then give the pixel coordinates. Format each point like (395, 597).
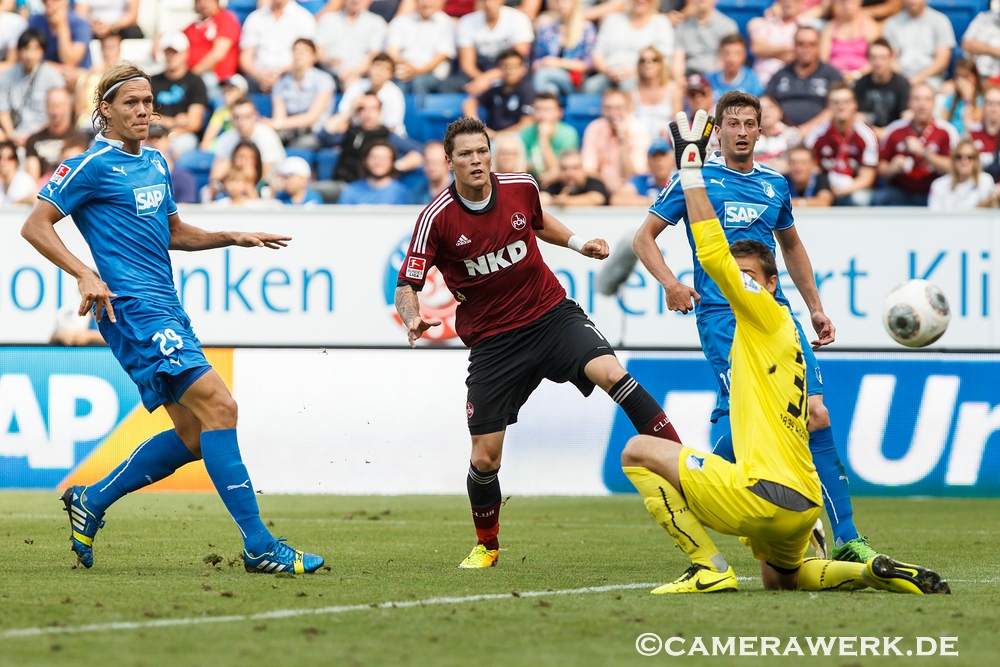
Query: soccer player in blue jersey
(753, 203)
(121, 198)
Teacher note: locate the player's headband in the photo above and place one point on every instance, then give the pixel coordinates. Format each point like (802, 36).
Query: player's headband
(115, 87)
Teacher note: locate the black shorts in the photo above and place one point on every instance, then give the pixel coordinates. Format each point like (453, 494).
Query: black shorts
(504, 369)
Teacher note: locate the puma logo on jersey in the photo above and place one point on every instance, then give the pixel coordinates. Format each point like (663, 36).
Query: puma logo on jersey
(719, 181)
(743, 214)
(463, 240)
(120, 170)
(492, 262)
(149, 198)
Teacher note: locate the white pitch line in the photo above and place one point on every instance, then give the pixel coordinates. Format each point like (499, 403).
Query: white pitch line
(290, 613)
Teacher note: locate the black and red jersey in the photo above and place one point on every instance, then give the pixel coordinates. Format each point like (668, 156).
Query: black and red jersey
(489, 258)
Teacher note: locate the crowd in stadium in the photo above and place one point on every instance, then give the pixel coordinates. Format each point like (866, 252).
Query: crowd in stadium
(275, 102)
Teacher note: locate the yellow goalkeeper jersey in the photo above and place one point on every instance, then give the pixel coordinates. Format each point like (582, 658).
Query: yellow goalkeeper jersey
(769, 409)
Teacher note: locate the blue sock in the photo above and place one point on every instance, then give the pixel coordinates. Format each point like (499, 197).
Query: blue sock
(833, 477)
(221, 453)
(722, 436)
(151, 461)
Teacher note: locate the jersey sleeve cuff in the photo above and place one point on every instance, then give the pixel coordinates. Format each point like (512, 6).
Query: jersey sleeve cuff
(658, 215)
(58, 207)
(403, 283)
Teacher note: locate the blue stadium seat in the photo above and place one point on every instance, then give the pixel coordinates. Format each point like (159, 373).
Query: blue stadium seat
(742, 11)
(326, 163)
(263, 103)
(412, 179)
(961, 13)
(410, 119)
(242, 8)
(198, 163)
(438, 110)
(581, 109)
(313, 5)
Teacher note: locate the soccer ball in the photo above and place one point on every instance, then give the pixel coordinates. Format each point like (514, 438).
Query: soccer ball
(916, 313)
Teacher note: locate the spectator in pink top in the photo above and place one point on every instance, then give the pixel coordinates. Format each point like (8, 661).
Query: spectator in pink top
(844, 41)
(772, 39)
(615, 145)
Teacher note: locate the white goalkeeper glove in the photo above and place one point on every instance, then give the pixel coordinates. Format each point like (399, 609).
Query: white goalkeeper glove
(691, 146)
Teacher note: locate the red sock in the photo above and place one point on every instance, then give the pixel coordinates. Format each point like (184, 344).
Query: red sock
(661, 427)
(487, 522)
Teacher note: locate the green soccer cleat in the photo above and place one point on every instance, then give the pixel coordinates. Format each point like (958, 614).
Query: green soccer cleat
(700, 579)
(83, 524)
(855, 551)
(480, 557)
(885, 574)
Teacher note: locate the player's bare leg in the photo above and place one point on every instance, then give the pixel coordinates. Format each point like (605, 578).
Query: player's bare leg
(652, 465)
(484, 496)
(642, 409)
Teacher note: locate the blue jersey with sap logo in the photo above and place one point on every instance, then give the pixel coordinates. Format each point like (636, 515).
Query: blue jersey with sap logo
(749, 205)
(120, 203)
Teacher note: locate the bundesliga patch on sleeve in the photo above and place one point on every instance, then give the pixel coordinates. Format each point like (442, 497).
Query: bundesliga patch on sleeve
(749, 284)
(60, 173)
(415, 268)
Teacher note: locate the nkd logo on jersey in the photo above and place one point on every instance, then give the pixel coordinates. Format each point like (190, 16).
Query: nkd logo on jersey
(149, 198)
(743, 214)
(492, 262)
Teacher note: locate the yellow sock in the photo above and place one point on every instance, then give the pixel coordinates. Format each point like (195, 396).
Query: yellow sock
(828, 575)
(671, 511)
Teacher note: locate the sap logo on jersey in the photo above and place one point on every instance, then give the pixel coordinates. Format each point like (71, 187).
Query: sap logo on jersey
(492, 262)
(149, 198)
(743, 214)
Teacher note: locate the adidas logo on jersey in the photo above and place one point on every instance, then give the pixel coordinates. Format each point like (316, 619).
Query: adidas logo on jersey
(463, 240)
(492, 262)
(149, 198)
(743, 214)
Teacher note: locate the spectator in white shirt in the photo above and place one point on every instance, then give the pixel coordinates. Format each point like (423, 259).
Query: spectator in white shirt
(621, 39)
(923, 40)
(982, 42)
(481, 36)
(302, 100)
(422, 45)
(247, 127)
(378, 83)
(966, 186)
(267, 39)
(11, 27)
(348, 40)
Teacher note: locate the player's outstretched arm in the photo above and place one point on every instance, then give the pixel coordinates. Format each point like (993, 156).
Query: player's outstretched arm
(751, 303)
(408, 308)
(39, 231)
(801, 271)
(678, 294)
(190, 238)
(558, 234)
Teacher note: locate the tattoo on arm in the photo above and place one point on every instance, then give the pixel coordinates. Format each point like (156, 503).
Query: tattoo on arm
(407, 304)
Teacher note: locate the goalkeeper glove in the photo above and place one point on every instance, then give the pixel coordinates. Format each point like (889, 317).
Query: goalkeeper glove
(691, 146)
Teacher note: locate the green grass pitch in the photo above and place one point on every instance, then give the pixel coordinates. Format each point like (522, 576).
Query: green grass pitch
(163, 573)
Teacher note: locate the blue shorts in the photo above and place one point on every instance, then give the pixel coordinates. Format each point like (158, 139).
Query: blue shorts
(716, 333)
(155, 345)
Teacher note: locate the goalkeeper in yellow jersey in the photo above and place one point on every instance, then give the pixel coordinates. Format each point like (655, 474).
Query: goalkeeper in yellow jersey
(771, 495)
